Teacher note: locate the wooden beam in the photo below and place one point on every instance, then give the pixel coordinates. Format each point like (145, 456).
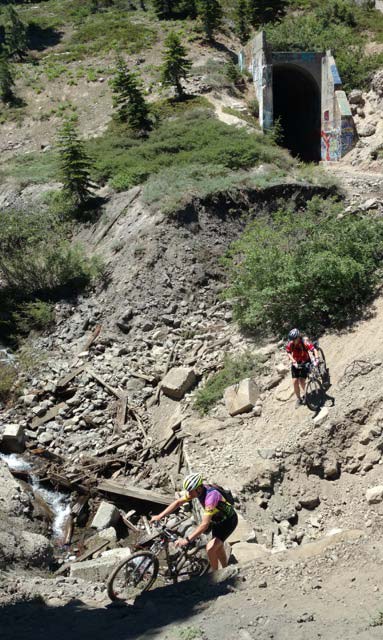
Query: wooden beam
(107, 386)
(52, 413)
(131, 491)
(72, 374)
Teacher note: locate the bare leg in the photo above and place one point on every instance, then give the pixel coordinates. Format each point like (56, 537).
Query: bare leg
(216, 553)
(302, 383)
(296, 387)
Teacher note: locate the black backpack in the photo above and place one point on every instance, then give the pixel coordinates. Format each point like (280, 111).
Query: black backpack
(225, 493)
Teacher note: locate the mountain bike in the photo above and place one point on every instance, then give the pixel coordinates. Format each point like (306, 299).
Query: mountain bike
(138, 573)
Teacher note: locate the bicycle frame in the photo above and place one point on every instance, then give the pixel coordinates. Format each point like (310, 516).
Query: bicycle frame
(166, 536)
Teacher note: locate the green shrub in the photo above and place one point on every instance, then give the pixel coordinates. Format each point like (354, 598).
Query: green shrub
(37, 315)
(234, 370)
(306, 268)
(8, 375)
(195, 138)
(35, 255)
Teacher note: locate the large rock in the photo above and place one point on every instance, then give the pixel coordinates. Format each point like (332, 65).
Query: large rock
(374, 495)
(244, 532)
(177, 382)
(13, 439)
(107, 515)
(248, 552)
(99, 569)
(366, 130)
(241, 398)
(356, 97)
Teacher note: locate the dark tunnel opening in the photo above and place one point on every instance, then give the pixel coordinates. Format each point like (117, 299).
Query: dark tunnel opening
(296, 104)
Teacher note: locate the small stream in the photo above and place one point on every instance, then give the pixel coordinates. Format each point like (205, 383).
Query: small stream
(58, 502)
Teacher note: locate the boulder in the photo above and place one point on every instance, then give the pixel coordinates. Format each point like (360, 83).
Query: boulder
(366, 130)
(248, 552)
(107, 515)
(177, 382)
(309, 500)
(356, 97)
(321, 417)
(242, 532)
(13, 439)
(374, 495)
(99, 569)
(241, 398)
(331, 468)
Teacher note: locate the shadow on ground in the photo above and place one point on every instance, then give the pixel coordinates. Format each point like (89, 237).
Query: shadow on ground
(154, 610)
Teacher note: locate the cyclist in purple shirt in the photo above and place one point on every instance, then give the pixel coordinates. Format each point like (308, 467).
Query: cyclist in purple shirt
(218, 515)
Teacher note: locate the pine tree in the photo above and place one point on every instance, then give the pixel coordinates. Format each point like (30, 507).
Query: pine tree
(128, 100)
(176, 65)
(210, 12)
(187, 8)
(263, 11)
(163, 9)
(242, 21)
(74, 164)
(6, 80)
(15, 34)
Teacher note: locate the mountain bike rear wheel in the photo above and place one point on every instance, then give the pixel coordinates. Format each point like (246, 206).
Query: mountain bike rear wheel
(133, 576)
(315, 395)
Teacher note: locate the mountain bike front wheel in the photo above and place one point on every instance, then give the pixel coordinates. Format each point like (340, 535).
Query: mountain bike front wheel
(315, 395)
(322, 362)
(133, 576)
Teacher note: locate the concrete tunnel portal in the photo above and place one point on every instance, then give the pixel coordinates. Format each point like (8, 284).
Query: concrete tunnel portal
(297, 106)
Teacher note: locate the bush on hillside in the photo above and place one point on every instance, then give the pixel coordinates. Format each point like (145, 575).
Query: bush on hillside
(194, 138)
(234, 370)
(8, 375)
(304, 268)
(37, 315)
(36, 258)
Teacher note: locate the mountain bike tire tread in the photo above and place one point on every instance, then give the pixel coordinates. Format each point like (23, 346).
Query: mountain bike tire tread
(109, 584)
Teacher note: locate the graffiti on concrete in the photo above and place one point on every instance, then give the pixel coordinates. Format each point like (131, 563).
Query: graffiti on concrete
(348, 135)
(330, 145)
(335, 74)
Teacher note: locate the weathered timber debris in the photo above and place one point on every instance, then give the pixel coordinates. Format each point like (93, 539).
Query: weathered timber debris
(131, 491)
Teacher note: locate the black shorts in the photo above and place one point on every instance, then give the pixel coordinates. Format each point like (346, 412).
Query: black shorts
(222, 530)
(302, 371)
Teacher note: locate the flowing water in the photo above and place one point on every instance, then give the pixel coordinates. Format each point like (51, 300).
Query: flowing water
(58, 502)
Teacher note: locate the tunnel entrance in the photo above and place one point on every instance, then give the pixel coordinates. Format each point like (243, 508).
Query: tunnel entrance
(297, 105)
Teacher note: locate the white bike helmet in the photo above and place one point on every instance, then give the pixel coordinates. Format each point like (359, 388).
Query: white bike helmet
(294, 334)
(193, 481)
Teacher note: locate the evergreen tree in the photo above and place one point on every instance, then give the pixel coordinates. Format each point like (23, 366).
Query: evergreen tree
(176, 65)
(128, 100)
(15, 34)
(163, 8)
(263, 11)
(74, 164)
(6, 80)
(187, 9)
(211, 16)
(242, 21)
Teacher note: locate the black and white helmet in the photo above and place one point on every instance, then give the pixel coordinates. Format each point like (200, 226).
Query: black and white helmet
(193, 481)
(294, 334)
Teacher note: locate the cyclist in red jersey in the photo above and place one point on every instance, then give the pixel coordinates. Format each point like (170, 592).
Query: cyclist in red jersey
(219, 517)
(301, 352)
